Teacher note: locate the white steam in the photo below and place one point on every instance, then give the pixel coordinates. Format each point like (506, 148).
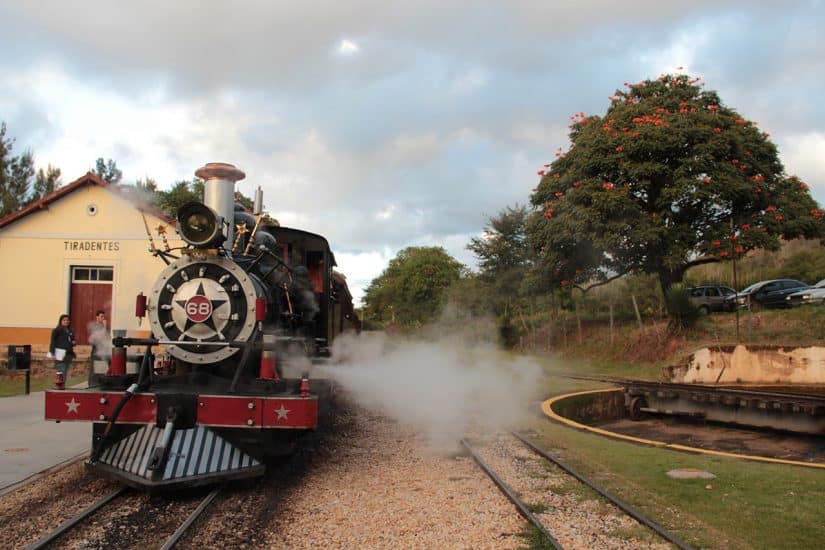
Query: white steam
(443, 389)
(101, 340)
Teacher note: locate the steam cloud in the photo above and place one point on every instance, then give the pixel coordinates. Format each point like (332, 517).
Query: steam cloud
(442, 388)
(101, 340)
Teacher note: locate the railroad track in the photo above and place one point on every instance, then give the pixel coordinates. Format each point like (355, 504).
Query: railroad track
(534, 512)
(79, 519)
(815, 395)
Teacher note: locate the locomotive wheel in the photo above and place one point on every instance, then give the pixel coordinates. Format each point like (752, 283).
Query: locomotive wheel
(635, 408)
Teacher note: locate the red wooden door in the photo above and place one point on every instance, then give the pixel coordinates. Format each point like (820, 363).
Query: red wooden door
(90, 292)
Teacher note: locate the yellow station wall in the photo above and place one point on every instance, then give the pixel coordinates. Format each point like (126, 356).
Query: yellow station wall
(38, 251)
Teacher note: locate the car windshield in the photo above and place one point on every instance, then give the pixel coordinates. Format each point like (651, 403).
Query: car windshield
(748, 290)
(820, 284)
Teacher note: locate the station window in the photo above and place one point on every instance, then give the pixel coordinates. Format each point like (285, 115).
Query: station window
(84, 274)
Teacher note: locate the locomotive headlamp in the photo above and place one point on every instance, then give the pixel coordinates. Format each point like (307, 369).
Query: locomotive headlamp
(200, 226)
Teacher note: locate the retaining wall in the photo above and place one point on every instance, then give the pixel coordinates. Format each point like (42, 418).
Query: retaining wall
(752, 364)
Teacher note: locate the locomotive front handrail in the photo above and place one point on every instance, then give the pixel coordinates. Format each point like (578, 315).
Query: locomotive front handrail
(122, 341)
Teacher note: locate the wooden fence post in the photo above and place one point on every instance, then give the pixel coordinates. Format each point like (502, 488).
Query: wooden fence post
(636, 309)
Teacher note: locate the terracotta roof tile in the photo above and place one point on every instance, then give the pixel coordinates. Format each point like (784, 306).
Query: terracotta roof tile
(87, 179)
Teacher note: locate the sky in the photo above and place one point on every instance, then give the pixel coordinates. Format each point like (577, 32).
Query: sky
(383, 125)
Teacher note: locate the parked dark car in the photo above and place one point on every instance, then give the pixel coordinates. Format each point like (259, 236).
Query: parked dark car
(711, 297)
(813, 295)
(770, 293)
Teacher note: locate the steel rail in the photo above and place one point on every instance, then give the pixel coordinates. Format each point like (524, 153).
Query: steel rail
(180, 531)
(624, 506)
(73, 521)
(522, 508)
(701, 387)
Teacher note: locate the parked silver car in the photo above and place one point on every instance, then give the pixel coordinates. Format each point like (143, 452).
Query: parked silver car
(711, 297)
(813, 295)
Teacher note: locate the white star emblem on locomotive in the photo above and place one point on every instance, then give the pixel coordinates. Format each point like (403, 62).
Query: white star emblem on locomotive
(72, 406)
(282, 412)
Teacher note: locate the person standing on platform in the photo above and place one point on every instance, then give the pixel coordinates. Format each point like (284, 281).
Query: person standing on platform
(62, 344)
(99, 335)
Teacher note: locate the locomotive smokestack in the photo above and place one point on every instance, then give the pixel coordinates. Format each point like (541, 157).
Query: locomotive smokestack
(259, 201)
(219, 192)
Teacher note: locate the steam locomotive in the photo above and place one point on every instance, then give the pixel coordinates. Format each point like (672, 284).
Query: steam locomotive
(240, 318)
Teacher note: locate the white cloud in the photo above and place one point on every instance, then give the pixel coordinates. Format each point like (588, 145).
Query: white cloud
(679, 56)
(361, 268)
(348, 47)
(146, 135)
(386, 213)
(469, 81)
(804, 156)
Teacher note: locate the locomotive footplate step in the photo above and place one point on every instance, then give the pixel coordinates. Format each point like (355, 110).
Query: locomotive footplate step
(193, 456)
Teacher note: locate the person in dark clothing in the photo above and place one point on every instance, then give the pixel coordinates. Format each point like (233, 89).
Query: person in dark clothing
(62, 344)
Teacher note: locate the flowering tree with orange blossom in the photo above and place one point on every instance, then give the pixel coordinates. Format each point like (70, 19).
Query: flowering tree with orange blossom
(669, 178)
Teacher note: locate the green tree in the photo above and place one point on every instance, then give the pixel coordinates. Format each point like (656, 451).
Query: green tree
(667, 179)
(108, 171)
(182, 192)
(502, 251)
(45, 182)
(147, 185)
(15, 175)
(411, 290)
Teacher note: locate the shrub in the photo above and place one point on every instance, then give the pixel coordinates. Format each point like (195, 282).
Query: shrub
(682, 311)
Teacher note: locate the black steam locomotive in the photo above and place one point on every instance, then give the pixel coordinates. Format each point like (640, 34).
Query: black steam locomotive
(240, 319)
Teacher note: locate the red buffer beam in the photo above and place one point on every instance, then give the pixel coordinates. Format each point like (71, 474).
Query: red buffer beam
(213, 410)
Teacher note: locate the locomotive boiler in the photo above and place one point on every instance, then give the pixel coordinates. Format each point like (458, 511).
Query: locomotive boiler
(239, 317)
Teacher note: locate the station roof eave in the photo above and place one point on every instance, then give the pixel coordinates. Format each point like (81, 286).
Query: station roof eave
(87, 179)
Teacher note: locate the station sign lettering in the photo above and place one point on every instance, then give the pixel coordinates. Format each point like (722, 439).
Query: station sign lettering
(92, 246)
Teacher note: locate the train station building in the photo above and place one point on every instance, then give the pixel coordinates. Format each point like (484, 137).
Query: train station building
(80, 249)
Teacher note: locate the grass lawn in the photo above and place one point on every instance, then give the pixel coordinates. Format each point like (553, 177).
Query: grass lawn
(748, 505)
(15, 384)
